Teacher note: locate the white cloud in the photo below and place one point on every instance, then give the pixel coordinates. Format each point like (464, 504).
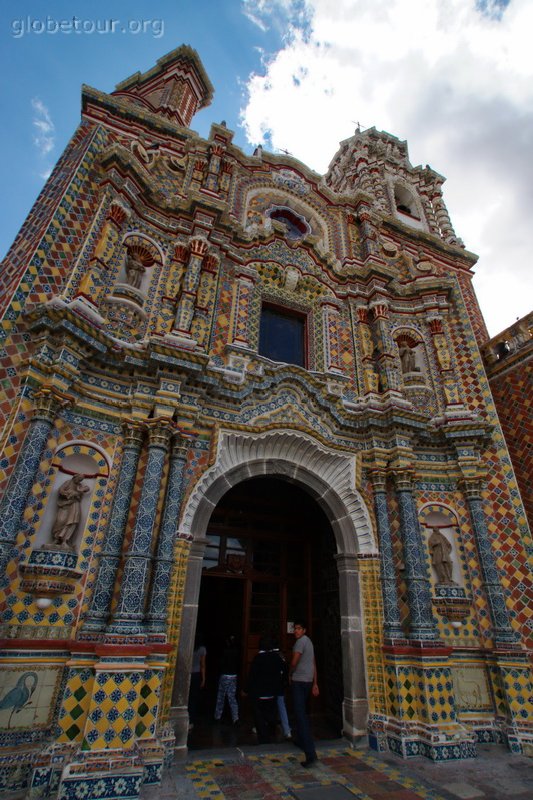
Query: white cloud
(453, 77)
(44, 138)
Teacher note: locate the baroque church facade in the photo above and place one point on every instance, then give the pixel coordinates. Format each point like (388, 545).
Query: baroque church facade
(234, 388)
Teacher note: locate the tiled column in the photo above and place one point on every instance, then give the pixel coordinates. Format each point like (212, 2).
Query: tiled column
(15, 499)
(422, 625)
(244, 293)
(502, 631)
(448, 378)
(97, 617)
(164, 560)
(330, 323)
(92, 285)
(392, 628)
(128, 618)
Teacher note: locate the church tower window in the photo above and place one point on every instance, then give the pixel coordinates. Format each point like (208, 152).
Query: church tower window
(405, 202)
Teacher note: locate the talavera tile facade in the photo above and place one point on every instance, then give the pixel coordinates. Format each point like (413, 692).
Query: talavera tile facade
(130, 356)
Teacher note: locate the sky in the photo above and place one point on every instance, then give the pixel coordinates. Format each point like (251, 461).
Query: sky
(452, 77)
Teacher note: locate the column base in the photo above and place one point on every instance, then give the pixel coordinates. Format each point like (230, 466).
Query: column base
(354, 719)
(179, 719)
(65, 773)
(101, 777)
(415, 739)
(124, 632)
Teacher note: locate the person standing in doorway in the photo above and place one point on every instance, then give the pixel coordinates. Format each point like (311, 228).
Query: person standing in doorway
(304, 683)
(282, 708)
(265, 684)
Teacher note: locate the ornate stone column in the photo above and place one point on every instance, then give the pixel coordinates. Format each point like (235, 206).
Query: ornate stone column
(164, 560)
(15, 499)
(370, 380)
(392, 628)
(441, 214)
(422, 624)
(369, 231)
(99, 610)
(355, 702)
(191, 279)
(211, 180)
(128, 618)
(185, 648)
(386, 348)
(502, 630)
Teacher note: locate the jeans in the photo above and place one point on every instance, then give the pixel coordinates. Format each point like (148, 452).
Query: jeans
(300, 694)
(227, 688)
(283, 718)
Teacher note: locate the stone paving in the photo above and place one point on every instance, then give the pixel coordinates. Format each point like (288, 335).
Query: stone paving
(274, 773)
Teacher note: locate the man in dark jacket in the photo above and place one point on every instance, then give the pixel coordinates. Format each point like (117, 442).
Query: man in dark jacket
(266, 682)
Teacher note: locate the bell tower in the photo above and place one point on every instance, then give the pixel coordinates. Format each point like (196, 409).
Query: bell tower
(377, 163)
(177, 87)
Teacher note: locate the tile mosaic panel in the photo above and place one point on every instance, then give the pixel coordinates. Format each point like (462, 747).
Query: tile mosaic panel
(28, 695)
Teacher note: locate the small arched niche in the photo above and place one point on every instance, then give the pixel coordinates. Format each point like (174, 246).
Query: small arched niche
(441, 533)
(410, 353)
(89, 468)
(135, 272)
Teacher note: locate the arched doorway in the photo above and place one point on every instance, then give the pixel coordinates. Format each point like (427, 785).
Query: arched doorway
(329, 477)
(270, 559)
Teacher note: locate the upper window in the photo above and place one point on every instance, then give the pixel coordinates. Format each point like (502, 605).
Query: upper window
(282, 335)
(295, 225)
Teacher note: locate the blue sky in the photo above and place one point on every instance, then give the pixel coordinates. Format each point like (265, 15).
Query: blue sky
(42, 73)
(453, 77)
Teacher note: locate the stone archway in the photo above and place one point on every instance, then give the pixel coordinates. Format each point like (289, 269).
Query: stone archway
(329, 477)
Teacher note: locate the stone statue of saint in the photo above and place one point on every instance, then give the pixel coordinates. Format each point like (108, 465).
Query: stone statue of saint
(135, 270)
(407, 358)
(440, 549)
(68, 511)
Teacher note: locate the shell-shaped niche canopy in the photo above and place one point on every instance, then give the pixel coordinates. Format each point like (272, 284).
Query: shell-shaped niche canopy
(141, 253)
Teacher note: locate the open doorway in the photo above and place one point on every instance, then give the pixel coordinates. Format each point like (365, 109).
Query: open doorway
(270, 559)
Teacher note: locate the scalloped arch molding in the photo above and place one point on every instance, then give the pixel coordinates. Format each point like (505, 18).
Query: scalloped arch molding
(327, 475)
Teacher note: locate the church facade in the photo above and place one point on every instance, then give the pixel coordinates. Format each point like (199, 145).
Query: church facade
(232, 387)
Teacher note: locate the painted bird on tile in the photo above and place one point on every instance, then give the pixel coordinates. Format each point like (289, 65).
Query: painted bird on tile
(19, 697)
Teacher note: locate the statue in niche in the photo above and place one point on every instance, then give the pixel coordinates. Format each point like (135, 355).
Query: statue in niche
(68, 512)
(440, 549)
(135, 270)
(407, 358)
